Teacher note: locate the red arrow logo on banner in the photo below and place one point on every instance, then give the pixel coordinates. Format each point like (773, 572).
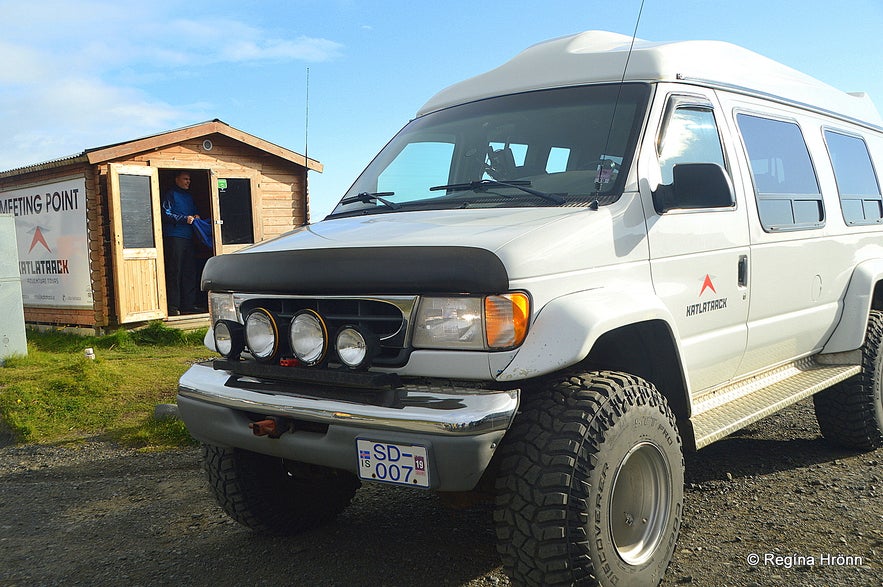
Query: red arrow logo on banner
(39, 238)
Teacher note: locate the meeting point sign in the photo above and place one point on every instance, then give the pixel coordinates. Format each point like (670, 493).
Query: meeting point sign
(53, 249)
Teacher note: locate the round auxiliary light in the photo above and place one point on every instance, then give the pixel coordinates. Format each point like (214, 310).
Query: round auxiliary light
(308, 336)
(261, 334)
(352, 348)
(229, 340)
(223, 339)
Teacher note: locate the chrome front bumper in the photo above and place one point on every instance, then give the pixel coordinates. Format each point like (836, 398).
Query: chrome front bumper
(446, 410)
(461, 427)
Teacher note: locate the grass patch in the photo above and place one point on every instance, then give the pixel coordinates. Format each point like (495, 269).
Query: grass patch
(56, 394)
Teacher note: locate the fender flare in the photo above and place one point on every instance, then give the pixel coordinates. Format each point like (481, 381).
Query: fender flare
(849, 334)
(567, 327)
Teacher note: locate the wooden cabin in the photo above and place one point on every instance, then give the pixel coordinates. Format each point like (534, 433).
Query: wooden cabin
(89, 230)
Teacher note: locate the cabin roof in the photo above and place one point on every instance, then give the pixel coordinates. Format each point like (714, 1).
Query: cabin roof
(203, 129)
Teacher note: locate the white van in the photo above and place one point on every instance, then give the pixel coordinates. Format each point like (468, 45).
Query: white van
(557, 277)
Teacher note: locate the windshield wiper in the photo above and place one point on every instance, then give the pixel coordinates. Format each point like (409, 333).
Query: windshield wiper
(484, 184)
(367, 198)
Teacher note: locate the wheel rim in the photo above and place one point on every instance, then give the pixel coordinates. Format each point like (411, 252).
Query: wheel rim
(640, 503)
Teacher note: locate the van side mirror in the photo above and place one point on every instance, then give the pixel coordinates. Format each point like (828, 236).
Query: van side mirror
(695, 185)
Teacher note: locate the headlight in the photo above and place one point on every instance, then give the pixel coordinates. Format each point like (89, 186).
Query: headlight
(308, 336)
(449, 323)
(492, 322)
(221, 307)
(262, 334)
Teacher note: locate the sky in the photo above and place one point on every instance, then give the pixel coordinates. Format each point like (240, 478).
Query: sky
(335, 79)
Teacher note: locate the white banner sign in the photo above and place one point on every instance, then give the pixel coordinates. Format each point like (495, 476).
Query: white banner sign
(53, 248)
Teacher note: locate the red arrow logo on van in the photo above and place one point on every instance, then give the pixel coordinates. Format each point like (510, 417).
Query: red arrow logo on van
(707, 284)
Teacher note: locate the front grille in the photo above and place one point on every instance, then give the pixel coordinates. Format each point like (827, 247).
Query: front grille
(387, 318)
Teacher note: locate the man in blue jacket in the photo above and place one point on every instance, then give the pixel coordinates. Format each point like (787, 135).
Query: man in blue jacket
(179, 212)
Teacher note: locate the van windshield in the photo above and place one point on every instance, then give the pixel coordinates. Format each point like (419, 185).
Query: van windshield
(564, 146)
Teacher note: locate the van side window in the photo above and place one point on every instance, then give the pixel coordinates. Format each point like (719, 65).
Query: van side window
(856, 182)
(785, 183)
(690, 136)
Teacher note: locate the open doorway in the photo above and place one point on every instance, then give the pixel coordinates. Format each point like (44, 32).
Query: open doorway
(200, 191)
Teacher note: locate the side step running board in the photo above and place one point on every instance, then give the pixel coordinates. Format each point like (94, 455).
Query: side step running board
(747, 401)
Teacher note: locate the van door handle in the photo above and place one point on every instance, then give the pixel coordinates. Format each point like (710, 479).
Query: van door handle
(743, 270)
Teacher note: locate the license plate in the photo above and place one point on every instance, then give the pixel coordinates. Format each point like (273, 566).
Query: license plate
(401, 464)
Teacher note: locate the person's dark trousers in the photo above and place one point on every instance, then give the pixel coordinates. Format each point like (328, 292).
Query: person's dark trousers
(180, 273)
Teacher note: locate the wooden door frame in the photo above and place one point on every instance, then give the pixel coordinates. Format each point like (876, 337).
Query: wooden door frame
(193, 166)
(124, 310)
(215, 174)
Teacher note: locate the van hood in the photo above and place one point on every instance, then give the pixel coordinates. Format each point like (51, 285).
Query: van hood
(488, 229)
(447, 251)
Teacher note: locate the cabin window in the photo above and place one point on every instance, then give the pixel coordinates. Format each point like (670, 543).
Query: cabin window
(785, 183)
(136, 211)
(857, 183)
(234, 202)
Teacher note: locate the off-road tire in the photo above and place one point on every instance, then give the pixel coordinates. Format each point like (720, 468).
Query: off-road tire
(564, 513)
(850, 414)
(274, 496)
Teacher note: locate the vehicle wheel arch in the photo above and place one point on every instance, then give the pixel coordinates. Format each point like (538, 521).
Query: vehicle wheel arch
(650, 351)
(645, 349)
(863, 293)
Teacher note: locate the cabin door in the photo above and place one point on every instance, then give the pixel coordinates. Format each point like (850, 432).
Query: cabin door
(136, 227)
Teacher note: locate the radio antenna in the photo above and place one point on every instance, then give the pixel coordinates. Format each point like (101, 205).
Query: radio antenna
(603, 155)
(632, 44)
(307, 150)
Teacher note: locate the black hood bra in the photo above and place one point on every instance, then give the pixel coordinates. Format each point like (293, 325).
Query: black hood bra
(358, 271)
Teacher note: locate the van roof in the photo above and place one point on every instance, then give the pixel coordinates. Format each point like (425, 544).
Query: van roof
(600, 56)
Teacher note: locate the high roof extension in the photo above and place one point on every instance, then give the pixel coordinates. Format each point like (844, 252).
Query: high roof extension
(599, 57)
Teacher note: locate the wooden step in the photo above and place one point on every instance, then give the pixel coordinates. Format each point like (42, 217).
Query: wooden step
(747, 401)
(188, 321)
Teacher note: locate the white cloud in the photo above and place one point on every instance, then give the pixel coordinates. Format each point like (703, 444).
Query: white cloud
(21, 65)
(78, 113)
(300, 49)
(74, 75)
(186, 43)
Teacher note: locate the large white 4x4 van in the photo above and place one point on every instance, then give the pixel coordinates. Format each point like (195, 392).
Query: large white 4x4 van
(557, 277)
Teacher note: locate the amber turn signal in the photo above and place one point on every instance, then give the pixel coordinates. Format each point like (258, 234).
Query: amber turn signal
(506, 319)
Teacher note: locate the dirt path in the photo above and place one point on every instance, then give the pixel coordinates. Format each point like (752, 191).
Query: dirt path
(100, 515)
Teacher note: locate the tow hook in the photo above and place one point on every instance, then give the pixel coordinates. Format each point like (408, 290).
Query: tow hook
(272, 427)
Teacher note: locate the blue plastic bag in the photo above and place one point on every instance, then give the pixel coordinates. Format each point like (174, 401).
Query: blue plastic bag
(203, 230)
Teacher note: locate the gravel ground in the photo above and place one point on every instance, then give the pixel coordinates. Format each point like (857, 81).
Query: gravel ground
(96, 514)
